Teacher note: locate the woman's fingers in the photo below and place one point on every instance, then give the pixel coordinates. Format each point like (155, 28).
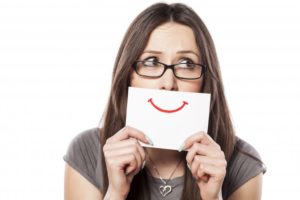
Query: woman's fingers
(199, 137)
(126, 143)
(206, 161)
(216, 172)
(126, 162)
(132, 150)
(124, 157)
(194, 167)
(125, 148)
(205, 150)
(142, 157)
(202, 166)
(129, 132)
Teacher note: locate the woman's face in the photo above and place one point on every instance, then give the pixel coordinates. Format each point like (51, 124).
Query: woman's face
(170, 43)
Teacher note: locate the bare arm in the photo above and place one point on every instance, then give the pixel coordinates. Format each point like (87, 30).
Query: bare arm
(79, 188)
(250, 190)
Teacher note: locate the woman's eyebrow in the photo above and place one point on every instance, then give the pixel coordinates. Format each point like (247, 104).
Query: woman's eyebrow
(178, 52)
(189, 51)
(152, 51)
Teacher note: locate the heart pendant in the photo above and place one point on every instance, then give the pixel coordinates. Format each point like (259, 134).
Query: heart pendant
(165, 189)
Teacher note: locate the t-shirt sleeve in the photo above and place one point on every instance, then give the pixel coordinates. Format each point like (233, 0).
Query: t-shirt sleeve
(245, 164)
(82, 154)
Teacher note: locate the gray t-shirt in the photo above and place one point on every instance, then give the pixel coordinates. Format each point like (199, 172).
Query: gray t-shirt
(83, 155)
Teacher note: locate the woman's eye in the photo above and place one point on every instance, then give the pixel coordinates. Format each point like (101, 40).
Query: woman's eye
(150, 62)
(186, 62)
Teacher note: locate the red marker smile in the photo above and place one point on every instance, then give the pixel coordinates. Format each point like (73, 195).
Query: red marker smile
(167, 111)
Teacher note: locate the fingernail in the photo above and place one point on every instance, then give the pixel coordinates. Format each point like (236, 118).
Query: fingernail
(181, 147)
(149, 140)
(144, 163)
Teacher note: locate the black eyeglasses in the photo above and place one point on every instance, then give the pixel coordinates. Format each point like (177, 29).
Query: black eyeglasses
(155, 69)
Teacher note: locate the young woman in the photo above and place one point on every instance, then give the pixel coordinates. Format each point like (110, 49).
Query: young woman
(109, 163)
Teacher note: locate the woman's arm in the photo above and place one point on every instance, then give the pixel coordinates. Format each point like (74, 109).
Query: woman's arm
(250, 190)
(124, 158)
(78, 188)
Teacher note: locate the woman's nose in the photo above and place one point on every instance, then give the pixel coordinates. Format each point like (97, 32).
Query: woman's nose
(168, 81)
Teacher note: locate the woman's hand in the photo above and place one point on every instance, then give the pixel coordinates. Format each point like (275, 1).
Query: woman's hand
(207, 164)
(124, 158)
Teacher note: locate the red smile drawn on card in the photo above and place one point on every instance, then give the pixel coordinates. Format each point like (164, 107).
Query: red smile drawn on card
(167, 111)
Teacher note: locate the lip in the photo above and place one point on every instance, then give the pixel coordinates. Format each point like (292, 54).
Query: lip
(167, 111)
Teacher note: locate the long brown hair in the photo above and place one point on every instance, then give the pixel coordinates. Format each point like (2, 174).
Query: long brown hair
(220, 125)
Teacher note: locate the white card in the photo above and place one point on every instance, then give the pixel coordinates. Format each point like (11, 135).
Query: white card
(167, 117)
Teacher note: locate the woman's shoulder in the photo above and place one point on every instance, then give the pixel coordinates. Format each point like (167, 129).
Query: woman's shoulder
(245, 150)
(89, 138)
(246, 154)
(83, 154)
(245, 163)
(86, 142)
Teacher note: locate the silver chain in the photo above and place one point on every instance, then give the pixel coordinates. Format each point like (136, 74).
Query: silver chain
(162, 180)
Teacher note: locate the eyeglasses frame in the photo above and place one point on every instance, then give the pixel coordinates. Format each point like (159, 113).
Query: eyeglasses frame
(134, 66)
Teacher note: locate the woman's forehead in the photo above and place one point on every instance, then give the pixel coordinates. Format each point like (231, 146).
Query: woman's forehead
(172, 36)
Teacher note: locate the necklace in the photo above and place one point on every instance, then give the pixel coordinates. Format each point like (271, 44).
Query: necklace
(165, 188)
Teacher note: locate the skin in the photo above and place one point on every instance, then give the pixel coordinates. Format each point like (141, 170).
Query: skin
(168, 43)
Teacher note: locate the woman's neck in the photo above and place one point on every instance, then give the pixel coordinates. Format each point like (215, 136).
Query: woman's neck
(165, 162)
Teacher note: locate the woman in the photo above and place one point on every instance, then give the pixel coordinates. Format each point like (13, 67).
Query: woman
(109, 162)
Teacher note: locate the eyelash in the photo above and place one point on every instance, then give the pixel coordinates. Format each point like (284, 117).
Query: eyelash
(157, 60)
(188, 59)
(152, 57)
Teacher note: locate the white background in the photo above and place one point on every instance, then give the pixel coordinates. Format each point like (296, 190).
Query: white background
(56, 59)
